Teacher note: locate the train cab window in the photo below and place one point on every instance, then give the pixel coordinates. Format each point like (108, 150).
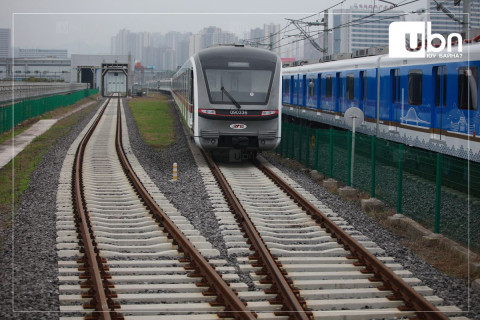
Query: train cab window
(440, 75)
(468, 88)
(395, 76)
(287, 86)
(328, 86)
(415, 81)
(350, 86)
(311, 87)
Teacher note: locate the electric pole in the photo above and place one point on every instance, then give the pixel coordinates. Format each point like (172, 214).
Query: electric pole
(325, 33)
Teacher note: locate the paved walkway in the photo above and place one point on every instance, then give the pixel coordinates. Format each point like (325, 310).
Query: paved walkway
(9, 149)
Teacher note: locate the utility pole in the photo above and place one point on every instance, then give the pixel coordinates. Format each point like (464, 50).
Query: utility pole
(270, 45)
(325, 33)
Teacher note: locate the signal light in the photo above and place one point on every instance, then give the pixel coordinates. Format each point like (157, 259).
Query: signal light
(269, 112)
(207, 111)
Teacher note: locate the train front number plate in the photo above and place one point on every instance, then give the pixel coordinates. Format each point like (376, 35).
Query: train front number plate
(238, 126)
(239, 112)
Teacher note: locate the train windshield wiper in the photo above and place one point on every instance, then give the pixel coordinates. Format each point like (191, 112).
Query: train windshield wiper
(231, 98)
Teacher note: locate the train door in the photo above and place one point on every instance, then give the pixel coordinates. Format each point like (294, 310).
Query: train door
(438, 112)
(319, 91)
(303, 90)
(363, 90)
(396, 109)
(286, 90)
(339, 91)
(294, 90)
(467, 101)
(191, 102)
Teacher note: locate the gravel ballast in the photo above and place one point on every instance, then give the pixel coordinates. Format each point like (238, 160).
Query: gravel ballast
(36, 279)
(453, 291)
(28, 264)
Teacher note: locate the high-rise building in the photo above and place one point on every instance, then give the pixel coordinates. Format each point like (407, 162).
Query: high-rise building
(267, 38)
(210, 36)
(4, 43)
(124, 43)
(142, 41)
(272, 36)
(357, 28)
(442, 23)
(256, 34)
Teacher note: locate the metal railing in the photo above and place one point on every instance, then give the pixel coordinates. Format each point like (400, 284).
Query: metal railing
(15, 91)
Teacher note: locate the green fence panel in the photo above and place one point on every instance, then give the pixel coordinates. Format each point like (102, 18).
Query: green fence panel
(340, 155)
(419, 186)
(386, 171)
(324, 151)
(460, 209)
(362, 162)
(308, 147)
(30, 108)
(382, 167)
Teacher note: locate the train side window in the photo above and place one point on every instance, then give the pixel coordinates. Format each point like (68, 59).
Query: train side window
(339, 85)
(191, 86)
(415, 82)
(319, 91)
(468, 88)
(328, 86)
(350, 86)
(395, 76)
(363, 84)
(311, 87)
(287, 85)
(440, 74)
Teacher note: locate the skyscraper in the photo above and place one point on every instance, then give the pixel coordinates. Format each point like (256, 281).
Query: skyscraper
(442, 23)
(4, 43)
(357, 28)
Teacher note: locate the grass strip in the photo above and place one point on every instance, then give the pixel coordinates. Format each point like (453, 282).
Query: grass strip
(15, 182)
(154, 120)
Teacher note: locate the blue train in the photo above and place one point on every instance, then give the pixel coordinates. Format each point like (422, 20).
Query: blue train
(430, 103)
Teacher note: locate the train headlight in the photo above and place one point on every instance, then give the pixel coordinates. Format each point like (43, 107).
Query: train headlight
(207, 111)
(269, 112)
(262, 141)
(212, 141)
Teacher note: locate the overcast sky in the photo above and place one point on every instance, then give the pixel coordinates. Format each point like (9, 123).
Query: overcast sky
(86, 26)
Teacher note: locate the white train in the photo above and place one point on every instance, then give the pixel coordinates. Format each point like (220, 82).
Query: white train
(230, 99)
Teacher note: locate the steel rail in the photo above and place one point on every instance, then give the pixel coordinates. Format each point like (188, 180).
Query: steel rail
(227, 296)
(294, 306)
(91, 253)
(402, 291)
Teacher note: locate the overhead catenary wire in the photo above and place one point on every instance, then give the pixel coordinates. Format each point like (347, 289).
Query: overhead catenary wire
(348, 24)
(259, 39)
(331, 29)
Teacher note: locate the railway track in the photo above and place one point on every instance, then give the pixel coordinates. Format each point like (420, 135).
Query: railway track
(134, 259)
(126, 253)
(329, 270)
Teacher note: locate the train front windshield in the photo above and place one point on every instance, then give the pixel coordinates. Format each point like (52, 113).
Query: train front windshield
(246, 86)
